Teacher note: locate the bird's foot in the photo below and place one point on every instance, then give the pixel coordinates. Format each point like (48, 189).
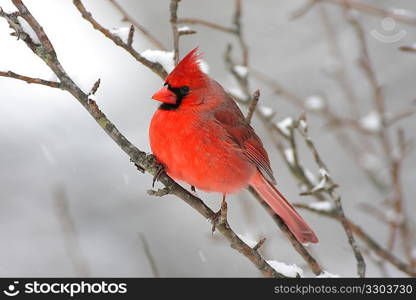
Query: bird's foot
(215, 219)
(193, 191)
(139, 168)
(159, 172)
(220, 217)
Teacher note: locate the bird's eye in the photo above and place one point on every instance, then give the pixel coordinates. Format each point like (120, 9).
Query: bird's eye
(184, 90)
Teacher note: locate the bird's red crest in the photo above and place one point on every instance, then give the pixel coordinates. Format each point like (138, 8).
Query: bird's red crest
(188, 71)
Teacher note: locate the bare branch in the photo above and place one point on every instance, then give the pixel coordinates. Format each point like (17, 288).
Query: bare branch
(373, 10)
(307, 257)
(383, 137)
(243, 83)
(175, 32)
(95, 87)
(259, 244)
(130, 37)
(155, 67)
(411, 48)
(52, 84)
(149, 256)
(340, 73)
(345, 140)
(43, 38)
(186, 32)
(241, 80)
(277, 88)
(69, 233)
(303, 9)
(358, 231)
(361, 267)
(239, 31)
(127, 18)
(252, 105)
(215, 26)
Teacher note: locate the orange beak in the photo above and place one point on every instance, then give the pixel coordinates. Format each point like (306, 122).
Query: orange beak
(165, 95)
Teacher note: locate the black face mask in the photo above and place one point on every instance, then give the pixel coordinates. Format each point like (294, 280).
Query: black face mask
(180, 93)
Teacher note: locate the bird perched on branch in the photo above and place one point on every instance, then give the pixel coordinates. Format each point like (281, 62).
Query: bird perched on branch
(200, 136)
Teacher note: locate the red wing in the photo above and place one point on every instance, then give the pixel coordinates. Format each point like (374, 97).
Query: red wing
(256, 153)
(243, 135)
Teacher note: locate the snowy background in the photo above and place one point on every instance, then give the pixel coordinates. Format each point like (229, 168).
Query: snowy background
(49, 143)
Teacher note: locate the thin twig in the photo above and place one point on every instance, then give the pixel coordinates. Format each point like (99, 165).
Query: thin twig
(259, 244)
(52, 84)
(361, 267)
(393, 163)
(186, 32)
(239, 32)
(303, 9)
(334, 121)
(340, 73)
(174, 25)
(298, 172)
(243, 83)
(69, 233)
(358, 231)
(127, 18)
(195, 21)
(241, 80)
(252, 105)
(130, 36)
(303, 252)
(95, 87)
(149, 256)
(411, 48)
(374, 10)
(155, 67)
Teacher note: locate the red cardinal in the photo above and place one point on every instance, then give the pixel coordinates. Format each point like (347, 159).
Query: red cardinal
(201, 137)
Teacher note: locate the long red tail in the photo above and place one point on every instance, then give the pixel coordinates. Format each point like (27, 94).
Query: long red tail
(283, 209)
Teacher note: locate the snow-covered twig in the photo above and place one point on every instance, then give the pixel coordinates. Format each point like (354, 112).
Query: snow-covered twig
(155, 67)
(141, 28)
(288, 270)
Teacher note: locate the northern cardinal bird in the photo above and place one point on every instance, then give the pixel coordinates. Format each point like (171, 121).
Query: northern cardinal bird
(200, 136)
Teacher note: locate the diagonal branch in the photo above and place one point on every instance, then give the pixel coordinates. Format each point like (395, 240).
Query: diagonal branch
(361, 267)
(155, 67)
(127, 18)
(358, 231)
(298, 172)
(141, 159)
(69, 232)
(374, 10)
(243, 83)
(195, 21)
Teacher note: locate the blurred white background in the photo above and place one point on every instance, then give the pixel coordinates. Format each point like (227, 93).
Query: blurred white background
(48, 141)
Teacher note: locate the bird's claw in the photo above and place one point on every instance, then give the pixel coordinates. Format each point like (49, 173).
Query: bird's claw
(220, 217)
(139, 168)
(214, 220)
(159, 172)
